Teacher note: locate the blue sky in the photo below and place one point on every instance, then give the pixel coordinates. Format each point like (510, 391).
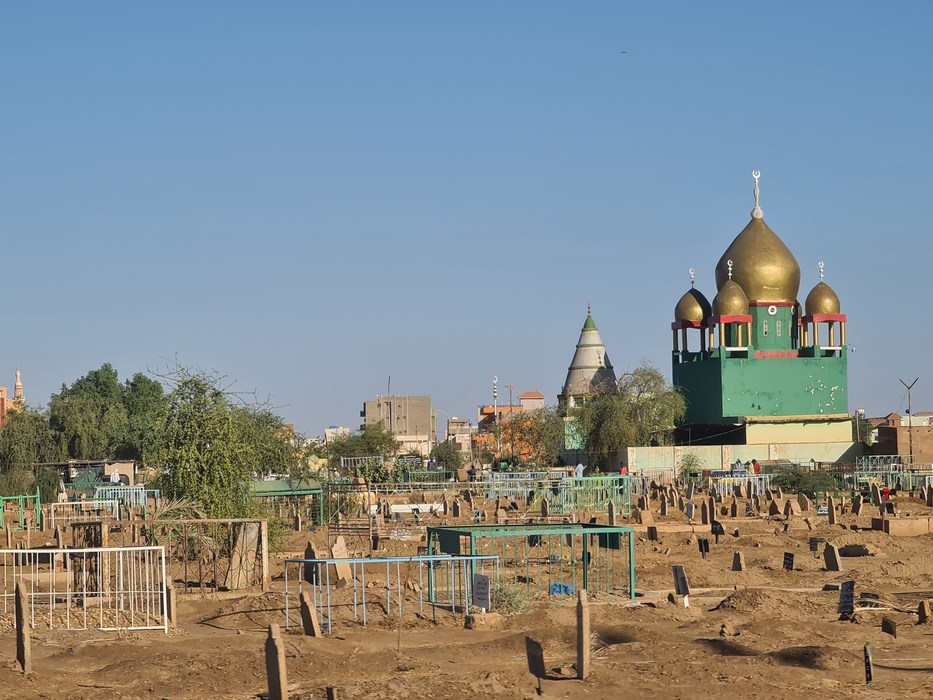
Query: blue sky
(309, 197)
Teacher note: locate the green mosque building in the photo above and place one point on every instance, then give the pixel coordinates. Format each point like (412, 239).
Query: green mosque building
(755, 366)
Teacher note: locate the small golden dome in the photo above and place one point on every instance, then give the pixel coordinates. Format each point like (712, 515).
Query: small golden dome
(731, 300)
(822, 300)
(693, 306)
(764, 267)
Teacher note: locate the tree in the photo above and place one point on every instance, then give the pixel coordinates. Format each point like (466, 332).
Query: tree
(640, 410)
(209, 449)
(89, 416)
(26, 441)
(534, 436)
(448, 455)
(374, 440)
(862, 429)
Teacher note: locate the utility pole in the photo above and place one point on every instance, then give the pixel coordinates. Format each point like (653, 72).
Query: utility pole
(910, 438)
(495, 412)
(512, 431)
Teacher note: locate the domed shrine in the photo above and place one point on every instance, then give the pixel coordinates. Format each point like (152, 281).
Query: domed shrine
(754, 366)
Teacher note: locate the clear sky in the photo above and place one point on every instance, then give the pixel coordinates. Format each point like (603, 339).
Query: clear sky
(309, 197)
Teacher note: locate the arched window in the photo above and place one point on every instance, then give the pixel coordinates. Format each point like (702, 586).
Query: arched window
(764, 328)
(777, 327)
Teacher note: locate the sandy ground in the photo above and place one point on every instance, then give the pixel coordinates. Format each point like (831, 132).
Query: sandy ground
(782, 637)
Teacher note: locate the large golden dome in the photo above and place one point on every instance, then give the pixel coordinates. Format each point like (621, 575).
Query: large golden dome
(764, 267)
(731, 300)
(822, 300)
(693, 306)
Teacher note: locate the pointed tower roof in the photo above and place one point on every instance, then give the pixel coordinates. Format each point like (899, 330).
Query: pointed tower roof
(18, 386)
(590, 367)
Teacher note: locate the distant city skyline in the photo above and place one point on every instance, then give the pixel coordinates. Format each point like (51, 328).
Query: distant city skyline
(309, 198)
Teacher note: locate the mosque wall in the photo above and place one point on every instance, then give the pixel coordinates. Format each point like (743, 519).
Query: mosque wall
(721, 456)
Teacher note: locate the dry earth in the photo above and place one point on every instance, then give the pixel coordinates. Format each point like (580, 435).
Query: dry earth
(761, 633)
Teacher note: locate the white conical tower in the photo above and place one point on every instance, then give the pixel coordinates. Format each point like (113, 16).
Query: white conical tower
(18, 387)
(590, 367)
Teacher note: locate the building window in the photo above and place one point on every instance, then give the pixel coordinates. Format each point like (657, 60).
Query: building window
(777, 328)
(764, 328)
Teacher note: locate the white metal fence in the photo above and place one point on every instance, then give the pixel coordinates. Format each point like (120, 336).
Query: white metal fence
(80, 511)
(106, 588)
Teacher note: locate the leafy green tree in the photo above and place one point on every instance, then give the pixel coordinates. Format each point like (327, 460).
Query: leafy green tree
(26, 441)
(448, 455)
(209, 450)
(146, 406)
(374, 440)
(640, 410)
(535, 436)
(89, 417)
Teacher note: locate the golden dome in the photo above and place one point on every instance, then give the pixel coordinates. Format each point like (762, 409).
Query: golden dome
(764, 267)
(731, 300)
(693, 306)
(822, 300)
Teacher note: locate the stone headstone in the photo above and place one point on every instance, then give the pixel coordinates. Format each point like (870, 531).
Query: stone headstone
(769, 495)
(642, 502)
(788, 509)
(922, 495)
(756, 503)
(455, 508)
(803, 502)
(275, 665)
(925, 610)
(339, 551)
(857, 505)
(712, 508)
(690, 510)
(309, 621)
(779, 494)
(652, 533)
(875, 495)
(501, 515)
(774, 508)
(930, 497)
(643, 516)
(611, 513)
(831, 558)
(704, 513)
(831, 510)
(663, 507)
(690, 491)
(738, 561)
(740, 491)
(734, 509)
(889, 626)
(681, 504)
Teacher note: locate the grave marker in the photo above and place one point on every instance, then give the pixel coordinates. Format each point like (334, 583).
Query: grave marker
(738, 561)
(831, 510)
(681, 587)
(869, 671)
(788, 561)
(846, 599)
(889, 626)
(703, 545)
(691, 509)
(583, 635)
(23, 633)
(663, 507)
(831, 558)
(309, 621)
(481, 595)
(275, 665)
(339, 551)
(704, 513)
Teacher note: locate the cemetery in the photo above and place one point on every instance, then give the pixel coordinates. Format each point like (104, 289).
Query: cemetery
(489, 589)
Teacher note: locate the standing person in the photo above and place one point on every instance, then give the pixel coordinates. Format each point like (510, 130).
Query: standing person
(578, 472)
(756, 468)
(623, 470)
(115, 476)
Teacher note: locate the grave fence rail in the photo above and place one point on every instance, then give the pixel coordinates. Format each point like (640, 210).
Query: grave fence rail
(438, 581)
(105, 588)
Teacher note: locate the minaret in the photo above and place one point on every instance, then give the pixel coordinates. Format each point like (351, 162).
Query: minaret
(590, 367)
(18, 387)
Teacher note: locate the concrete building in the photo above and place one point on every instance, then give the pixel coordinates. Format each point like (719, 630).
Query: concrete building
(410, 418)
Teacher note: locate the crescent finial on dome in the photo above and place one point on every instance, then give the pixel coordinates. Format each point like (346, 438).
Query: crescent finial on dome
(692, 277)
(729, 263)
(821, 269)
(757, 213)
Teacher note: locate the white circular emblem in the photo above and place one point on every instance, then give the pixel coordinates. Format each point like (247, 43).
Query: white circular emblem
(772, 310)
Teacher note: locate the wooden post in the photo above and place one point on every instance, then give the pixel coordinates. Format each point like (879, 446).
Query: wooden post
(309, 616)
(171, 605)
(105, 557)
(264, 545)
(612, 513)
(275, 665)
(23, 639)
(583, 635)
